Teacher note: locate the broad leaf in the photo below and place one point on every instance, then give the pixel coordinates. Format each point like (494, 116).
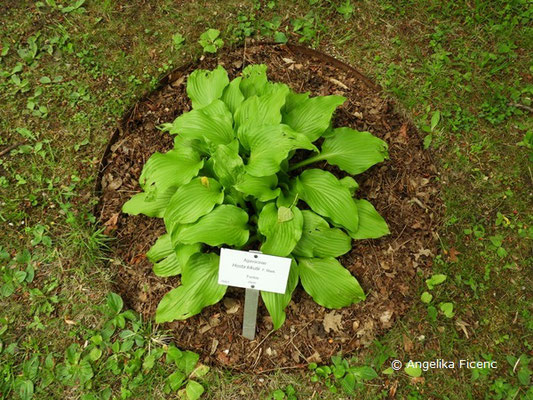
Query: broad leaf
(171, 169)
(173, 264)
(293, 100)
(282, 234)
(212, 124)
(203, 87)
(199, 289)
(319, 240)
(161, 248)
(353, 151)
(227, 163)
(350, 183)
(276, 302)
(270, 145)
(254, 80)
(169, 266)
(226, 224)
(139, 204)
(194, 390)
(328, 197)
(232, 95)
(263, 110)
(328, 282)
(191, 201)
(312, 116)
(371, 224)
(262, 188)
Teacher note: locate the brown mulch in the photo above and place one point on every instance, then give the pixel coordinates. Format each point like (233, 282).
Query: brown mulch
(403, 189)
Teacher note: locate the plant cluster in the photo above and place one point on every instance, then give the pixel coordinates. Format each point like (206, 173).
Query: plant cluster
(235, 177)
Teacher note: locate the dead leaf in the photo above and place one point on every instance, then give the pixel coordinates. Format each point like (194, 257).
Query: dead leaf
(223, 358)
(178, 82)
(214, 345)
(392, 390)
(385, 318)
(407, 344)
(315, 357)
(462, 325)
(332, 322)
(403, 134)
(232, 305)
(70, 322)
(423, 252)
(111, 224)
(452, 254)
(338, 83)
(288, 60)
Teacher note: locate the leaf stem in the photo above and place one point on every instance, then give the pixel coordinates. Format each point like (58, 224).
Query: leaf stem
(307, 161)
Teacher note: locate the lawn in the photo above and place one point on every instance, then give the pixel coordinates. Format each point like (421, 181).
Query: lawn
(461, 71)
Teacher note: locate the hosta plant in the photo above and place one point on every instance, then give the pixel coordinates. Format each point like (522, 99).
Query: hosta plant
(237, 177)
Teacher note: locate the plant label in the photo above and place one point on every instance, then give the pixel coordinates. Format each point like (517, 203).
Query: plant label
(253, 270)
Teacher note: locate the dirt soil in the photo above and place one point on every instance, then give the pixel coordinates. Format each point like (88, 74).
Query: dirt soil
(403, 189)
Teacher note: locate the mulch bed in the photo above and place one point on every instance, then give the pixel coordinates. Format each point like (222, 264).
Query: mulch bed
(403, 189)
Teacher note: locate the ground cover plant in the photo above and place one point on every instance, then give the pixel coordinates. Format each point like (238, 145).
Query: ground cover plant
(227, 182)
(69, 69)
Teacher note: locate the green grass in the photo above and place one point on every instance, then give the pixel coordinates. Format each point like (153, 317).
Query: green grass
(468, 60)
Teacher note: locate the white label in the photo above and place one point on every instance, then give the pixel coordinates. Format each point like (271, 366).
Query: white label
(253, 270)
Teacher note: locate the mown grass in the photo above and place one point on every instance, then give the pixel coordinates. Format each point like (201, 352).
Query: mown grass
(470, 61)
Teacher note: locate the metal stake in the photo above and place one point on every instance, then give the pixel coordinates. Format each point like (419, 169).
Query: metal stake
(251, 298)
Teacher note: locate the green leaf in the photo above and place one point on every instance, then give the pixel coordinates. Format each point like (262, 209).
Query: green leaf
(281, 236)
(328, 197)
(187, 361)
(254, 80)
(280, 37)
(263, 110)
(350, 184)
(262, 188)
(192, 201)
(293, 100)
(364, 373)
(269, 146)
(348, 384)
(312, 116)
(435, 118)
(414, 372)
(142, 204)
(371, 224)
(227, 163)
(353, 151)
(200, 371)
(232, 95)
(173, 264)
(212, 124)
(319, 240)
(447, 309)
(25, 389)
(203, 87)
(524, 376)
(194, 390)
(226, 224)
(329, 283)
(199, 289)
(435, 280)
(277, 302)
(114, 302)
(161, 249)
(172, 169)
(176, 379)
(426, 297)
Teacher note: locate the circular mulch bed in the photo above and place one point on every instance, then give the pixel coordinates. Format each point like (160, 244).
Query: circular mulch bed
(403, 189)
